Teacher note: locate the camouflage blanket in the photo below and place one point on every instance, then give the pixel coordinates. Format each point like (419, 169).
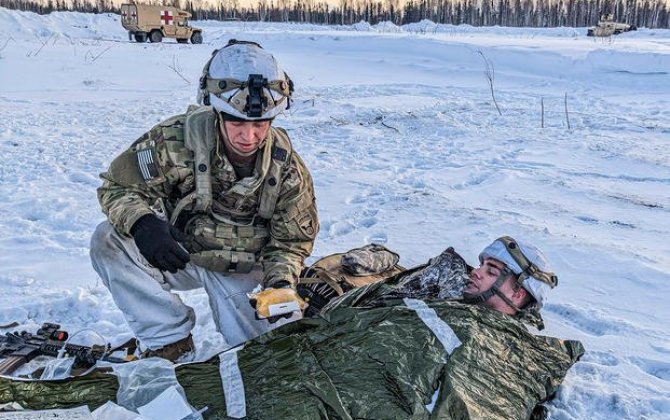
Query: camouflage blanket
(368, 355)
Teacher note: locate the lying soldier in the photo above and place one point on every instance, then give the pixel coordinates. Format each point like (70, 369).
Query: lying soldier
(394, 349)
(513, 278)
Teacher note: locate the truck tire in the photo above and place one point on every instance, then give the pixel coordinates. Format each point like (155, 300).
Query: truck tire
(141, 36)
(156, 36)
(196, 38)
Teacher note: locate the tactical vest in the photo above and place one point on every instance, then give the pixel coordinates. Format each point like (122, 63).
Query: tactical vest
(226, 239)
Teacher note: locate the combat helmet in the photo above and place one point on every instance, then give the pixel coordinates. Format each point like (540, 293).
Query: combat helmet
(528, 264)
(242, 81)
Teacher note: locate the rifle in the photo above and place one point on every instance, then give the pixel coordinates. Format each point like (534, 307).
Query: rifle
(20, 348)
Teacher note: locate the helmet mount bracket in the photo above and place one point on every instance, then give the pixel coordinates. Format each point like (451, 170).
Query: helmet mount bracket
(255, 100)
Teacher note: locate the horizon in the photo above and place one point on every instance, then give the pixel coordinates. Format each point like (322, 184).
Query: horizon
(337, 3)
(636, 14)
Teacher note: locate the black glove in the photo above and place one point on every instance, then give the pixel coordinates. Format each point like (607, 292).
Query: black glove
(157, 242)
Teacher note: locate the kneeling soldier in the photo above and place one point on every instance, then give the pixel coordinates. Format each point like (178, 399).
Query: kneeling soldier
(215, 198)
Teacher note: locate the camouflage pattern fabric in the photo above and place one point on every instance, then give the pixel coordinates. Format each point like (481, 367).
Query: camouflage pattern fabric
(531, 315)
(157, 171)
(344, 271)
(377, 361)
(335, 274)
(445, 277)
(370, 259)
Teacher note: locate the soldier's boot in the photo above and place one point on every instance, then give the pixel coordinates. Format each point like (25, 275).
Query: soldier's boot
(172, 352)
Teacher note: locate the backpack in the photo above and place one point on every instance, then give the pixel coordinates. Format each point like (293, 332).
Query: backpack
(336, 274)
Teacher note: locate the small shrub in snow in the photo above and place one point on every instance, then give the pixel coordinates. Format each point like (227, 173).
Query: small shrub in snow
(387, 27)
(362, 26)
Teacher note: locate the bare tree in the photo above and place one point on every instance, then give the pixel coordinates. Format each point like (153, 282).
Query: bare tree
(93, 57)
(175, 67)
(567, 116)
(490, 74)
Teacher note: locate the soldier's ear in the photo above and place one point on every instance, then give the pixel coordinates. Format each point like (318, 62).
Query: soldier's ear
(521, 297)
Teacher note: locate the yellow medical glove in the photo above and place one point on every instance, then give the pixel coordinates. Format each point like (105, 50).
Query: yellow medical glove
(273, 304)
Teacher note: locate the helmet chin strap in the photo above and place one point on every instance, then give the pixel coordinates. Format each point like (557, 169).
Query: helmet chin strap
(476, 298)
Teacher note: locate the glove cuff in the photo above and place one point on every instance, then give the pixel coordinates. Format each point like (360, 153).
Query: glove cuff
(145, 220)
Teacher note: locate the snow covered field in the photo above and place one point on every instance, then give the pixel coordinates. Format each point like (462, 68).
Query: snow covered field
(406, 147)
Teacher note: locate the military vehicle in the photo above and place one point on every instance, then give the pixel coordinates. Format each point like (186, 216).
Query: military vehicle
(148, 22)
(607, 27)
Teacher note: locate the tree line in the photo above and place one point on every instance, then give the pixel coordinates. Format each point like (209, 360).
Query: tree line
(513, 13)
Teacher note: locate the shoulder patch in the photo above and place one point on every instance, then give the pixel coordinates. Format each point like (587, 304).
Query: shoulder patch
(146, 161)
(279, 154)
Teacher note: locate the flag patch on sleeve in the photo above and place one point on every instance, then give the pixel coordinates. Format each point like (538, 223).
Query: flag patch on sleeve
(147, 164)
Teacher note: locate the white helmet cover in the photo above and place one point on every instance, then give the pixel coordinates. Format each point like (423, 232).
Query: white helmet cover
(535, 282)
(245, 81)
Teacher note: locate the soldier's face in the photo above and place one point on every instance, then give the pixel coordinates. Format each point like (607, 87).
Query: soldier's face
(483, 277)
(245, 137)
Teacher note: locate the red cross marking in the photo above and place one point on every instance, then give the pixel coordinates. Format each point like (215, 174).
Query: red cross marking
(166, 17)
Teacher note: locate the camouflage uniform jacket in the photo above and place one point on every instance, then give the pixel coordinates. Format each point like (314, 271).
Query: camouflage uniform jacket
(130, 192)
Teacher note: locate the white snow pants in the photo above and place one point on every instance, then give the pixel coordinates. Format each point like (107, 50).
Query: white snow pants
(159, 317)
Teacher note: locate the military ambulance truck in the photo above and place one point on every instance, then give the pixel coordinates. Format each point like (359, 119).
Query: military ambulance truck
(607, 26)
(144, 21)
